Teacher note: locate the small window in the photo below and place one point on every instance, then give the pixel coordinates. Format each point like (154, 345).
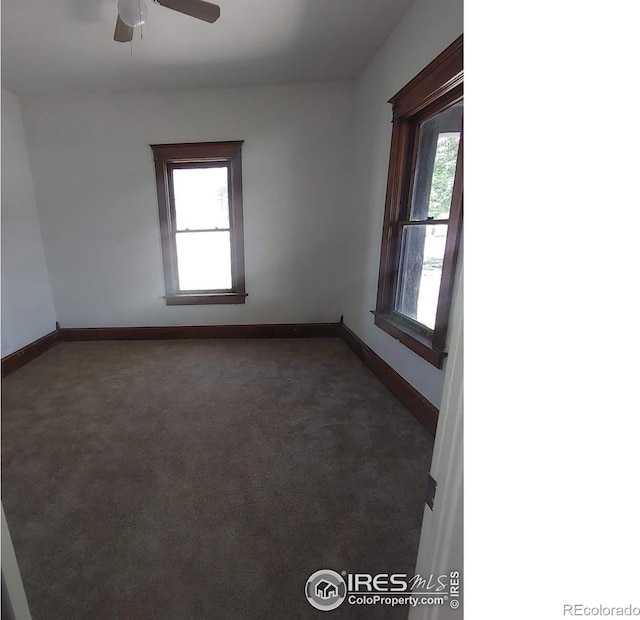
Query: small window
(423, 214)
(200, 207)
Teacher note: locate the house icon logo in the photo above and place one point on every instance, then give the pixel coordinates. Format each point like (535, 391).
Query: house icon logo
(325, 590)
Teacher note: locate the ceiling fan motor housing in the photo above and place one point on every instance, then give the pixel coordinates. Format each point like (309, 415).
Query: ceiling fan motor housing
(132, 13)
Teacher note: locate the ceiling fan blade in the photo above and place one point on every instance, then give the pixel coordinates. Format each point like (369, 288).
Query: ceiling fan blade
(195, 8)
(123, 33)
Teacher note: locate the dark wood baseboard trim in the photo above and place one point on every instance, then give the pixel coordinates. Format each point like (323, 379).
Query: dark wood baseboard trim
(425, 411)
(29, 352)
(171, 332)
(19, 358)
(416, 403)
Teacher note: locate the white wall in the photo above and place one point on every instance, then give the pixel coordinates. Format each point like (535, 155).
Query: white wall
(95, 183)
(27, 305)
(427, 29)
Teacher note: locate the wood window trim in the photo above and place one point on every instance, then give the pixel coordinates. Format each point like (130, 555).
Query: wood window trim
(438, 86)
(168, 156)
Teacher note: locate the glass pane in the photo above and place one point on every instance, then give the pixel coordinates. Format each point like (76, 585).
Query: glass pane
(421, 272)
(201, 198)
(436, 164)
(204, 260)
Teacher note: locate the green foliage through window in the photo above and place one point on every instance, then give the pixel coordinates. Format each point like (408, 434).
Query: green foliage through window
(444, 172)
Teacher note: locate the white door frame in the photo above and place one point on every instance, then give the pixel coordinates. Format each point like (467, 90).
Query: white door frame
(441, 539)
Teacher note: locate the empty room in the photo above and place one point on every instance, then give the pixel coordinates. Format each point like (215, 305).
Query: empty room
(232, 309)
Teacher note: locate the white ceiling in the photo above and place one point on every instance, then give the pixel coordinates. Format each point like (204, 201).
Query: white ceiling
(61, 45)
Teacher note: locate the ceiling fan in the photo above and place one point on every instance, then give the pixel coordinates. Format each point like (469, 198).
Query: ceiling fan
(132, 13)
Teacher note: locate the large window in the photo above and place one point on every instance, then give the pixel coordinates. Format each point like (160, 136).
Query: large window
(423, 213)
(200, 206)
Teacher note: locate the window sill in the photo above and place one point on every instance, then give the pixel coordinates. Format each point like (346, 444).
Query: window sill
(203, 299)
(414, 340)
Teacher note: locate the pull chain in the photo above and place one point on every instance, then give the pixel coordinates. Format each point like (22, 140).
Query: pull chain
(140, 13)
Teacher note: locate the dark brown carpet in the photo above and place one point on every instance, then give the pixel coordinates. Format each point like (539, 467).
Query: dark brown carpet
(205, 479)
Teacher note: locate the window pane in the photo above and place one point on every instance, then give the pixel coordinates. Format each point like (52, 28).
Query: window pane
(436, 164)
(421, 272)
(201, 198)
(204, 260)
